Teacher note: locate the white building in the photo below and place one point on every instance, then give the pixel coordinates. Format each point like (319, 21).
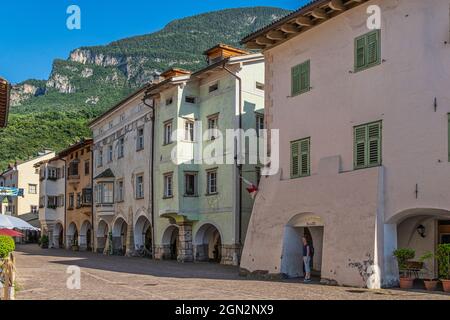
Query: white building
(122, 195)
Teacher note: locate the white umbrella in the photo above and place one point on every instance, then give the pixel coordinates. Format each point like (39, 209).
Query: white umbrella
(9, 222)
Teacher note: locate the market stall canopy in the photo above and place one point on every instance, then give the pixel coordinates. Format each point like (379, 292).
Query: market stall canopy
(10, 233)
(9, 222)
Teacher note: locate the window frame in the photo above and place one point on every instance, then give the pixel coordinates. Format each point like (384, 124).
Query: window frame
(167, 133)
(365, 37)
(166, 178)
(139, 192)
(140, 139)
(193, 174)
(300, 68)
(300, 153)
(209, 174)
(367, 141)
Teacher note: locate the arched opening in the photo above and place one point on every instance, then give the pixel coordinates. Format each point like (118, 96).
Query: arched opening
(72, 235)
(102, 236)
(85, 236)
(422, 230)
(312, 228)
(171, 243)
(58, 236)
(208, 244)
(119, 234)
(143, 237)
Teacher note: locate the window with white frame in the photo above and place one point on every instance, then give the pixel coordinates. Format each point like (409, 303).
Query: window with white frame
(52, 173)
(140, 186)
(60, 200)
(32, 188)
(140, 139)
(52, 202)
(105, 193)
(211, 182)
(189, 130)
(168, 132)
(120, 191)
(213, 126)
(121, 148)
(34, 209)
(168, 185)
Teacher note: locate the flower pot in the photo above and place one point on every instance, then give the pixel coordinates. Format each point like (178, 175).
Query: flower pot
(406, 283)
(430, 285)
(446, 285)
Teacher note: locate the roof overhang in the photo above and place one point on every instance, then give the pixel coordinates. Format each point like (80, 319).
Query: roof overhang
(5, 89)
(298, 22)
(75, 147)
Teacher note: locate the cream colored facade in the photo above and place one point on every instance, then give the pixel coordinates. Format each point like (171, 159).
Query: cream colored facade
(24, 176)
(356, 218)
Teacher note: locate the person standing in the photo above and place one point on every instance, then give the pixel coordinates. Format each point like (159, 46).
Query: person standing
(307, 259)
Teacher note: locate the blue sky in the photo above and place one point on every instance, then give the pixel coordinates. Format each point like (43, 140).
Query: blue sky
(36, 31)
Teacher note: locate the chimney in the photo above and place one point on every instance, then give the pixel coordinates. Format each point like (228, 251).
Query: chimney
(222, 51)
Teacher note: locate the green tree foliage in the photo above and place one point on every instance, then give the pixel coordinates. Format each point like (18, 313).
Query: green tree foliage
(6, 246)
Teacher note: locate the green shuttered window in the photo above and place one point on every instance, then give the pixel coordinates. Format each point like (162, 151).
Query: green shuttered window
(367, 145)
(367, 50)
(300, 82)
(300, 158)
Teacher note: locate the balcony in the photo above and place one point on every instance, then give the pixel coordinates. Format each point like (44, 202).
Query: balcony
(105, 209)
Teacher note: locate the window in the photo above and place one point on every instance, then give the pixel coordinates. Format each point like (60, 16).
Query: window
(110, 153)
(211, 182)
(367, 50)
(189, 99)
(213, 87)
(139, 187)
(189, 130)
(110, 125)
(140, 139)
(213, 126)
(190, 181)
(79, 200)
(73, 168)
(259, 123)
(259, 85)
(168, 185)
(71, 201)
(300, 75)
(300, 158)
(87, 167)
(367, 145)
(86, 196)
(120, 191)
(34, 209)
(168, 132)
(100, 158)
(32, 189)
(121, 148)
(105, 193)
(60, 200)
(169, 101)
(52, 173)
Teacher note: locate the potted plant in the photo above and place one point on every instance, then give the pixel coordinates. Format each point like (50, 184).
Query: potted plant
(403, 255)
(430, 284)
(443, 258)
(43, 242)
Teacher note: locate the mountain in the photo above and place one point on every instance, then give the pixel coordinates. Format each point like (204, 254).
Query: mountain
(53, 113)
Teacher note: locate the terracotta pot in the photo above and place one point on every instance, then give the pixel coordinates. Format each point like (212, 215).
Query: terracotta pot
(430, 285)
(446, 285)
(406, 283)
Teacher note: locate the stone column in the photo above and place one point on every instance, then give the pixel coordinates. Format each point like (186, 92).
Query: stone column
(185, 252)
(130, 235)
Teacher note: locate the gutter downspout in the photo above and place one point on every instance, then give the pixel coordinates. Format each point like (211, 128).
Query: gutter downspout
(152, 107)
(239, 166)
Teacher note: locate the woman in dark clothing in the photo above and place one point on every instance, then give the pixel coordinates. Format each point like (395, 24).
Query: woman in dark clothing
(307, 259)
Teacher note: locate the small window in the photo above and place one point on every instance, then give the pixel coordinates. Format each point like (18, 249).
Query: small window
(78, 200)
(87, 167)
(300, 75)
(34, 209)
(139, 187)
(259, 85)
(211, 182)
(169, 101)
(213, 87)
(259, 123)
(120, 191)
(168, 132)
(300, 158)
(110, 153)
(71, 200)
(100, 158)
(190, 184)
(190, 99)
(140, 139)
(189, 130)
(367, 50)
(168, 185)
(213, 127)
(121, 147)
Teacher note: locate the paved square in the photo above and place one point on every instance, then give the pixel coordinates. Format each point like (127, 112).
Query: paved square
(42, 275)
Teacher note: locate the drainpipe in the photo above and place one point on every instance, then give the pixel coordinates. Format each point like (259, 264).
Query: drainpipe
(239, 166)
(152, 107)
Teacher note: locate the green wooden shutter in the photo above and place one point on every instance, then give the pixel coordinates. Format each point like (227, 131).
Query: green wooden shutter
(305, 157)
(360, 143)
(304, 76)
(374, 144)
(372, 47)
(295, 84)
(295, 154)
(360, 52)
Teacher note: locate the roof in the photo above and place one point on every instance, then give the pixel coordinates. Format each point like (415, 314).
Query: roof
(303, 19)
(81, 144)
(4, 102)
(174, 71)
(105, 174)
(225, 47)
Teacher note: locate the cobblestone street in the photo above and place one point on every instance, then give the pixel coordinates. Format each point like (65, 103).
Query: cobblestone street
(41, 274)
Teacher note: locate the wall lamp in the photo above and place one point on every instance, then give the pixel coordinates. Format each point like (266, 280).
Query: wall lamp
(421, 230)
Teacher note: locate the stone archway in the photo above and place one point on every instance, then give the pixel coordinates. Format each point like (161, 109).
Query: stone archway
(311, 227)
(72, 235)
(208, 244)
(102, 236)
(86, 236)
(119, 236)
(171, 243)
(58, 236)
(143, 236)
